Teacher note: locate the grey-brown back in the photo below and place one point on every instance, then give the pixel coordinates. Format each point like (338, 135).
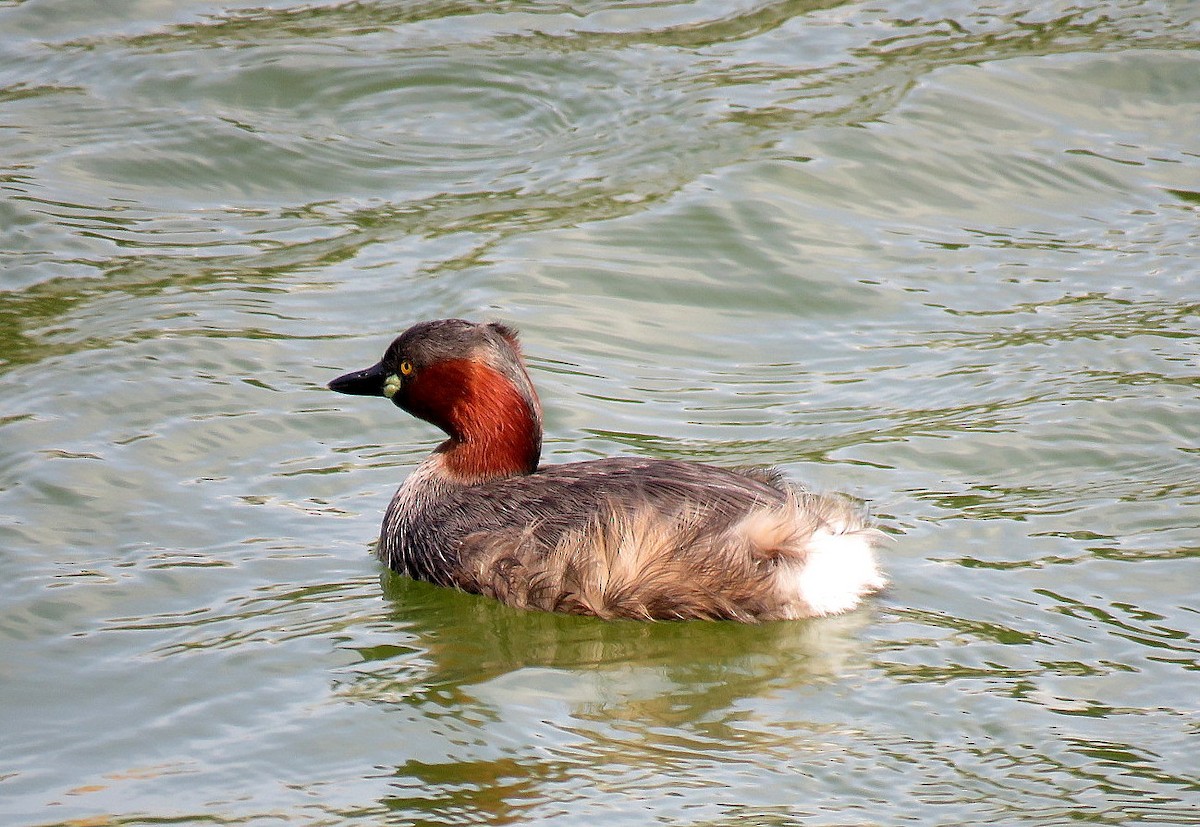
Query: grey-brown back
(424, 536)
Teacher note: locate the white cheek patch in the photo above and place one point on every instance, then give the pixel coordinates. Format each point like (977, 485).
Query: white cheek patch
(391, 385)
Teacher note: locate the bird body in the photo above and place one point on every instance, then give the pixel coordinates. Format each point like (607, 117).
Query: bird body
(623, 537)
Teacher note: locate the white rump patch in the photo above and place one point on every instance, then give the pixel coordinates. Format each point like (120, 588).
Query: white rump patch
(838, 571)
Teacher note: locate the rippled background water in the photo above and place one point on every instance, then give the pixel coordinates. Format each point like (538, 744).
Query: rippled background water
(942, 256)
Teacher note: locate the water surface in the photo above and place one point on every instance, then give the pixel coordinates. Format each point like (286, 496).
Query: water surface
(941, 257)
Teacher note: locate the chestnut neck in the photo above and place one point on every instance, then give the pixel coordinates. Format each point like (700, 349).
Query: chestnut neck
(495, 427)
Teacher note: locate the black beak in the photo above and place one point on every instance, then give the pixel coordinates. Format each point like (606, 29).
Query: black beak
(367, 382)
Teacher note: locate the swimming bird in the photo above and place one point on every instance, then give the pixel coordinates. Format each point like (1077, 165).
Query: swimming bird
(623, 537)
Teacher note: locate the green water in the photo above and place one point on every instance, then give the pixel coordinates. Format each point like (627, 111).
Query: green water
(944, 257)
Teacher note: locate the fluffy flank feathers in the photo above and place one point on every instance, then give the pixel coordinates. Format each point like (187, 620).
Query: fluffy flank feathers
(645, 565)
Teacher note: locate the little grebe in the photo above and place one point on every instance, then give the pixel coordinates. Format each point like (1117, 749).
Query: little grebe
(622, 537)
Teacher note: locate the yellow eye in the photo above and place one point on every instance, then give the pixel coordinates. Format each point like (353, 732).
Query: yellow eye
(406, 368)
